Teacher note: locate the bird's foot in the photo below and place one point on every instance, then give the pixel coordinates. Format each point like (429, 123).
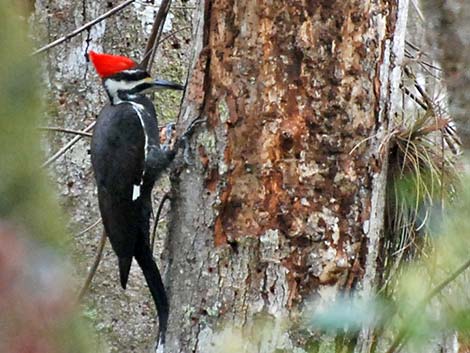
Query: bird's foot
(190, 129)
(169, 129)
(184, 139)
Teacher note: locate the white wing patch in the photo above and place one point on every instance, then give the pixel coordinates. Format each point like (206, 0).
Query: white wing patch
(135, 192)
(139, 109)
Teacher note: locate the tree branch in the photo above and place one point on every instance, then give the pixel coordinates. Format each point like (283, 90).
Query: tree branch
(153, 41)
(67, 146)
(403, 334)
(94, 267)
(67, 131)
(157, 219)
(173, 33)
(83, 28)
(98, 221)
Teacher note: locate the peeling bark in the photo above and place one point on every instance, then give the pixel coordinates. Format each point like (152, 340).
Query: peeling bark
(285, 202)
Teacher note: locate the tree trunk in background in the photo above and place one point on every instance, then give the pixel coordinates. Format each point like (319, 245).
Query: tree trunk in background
(124, 320)
(285, 202)
(450, 24)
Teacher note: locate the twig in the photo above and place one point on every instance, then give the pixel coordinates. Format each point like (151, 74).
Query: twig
(94, 267)
(89, 227)
(418, 10)
(167, 37)
(83, 28)
(426, 66)
(157, 218)
(147, 56)
(413, 46)
(173, 33)
(416, 48)
(153, 41)
(67, 146)
(173, 7)
(413, 97)
(403, 334)
(67, 131)
(434, 67)
(427, 100)
(417, 57)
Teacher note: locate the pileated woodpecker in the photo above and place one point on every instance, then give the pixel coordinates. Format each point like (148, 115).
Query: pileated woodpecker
(127, 160)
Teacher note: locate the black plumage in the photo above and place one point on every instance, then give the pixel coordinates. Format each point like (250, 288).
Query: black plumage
(126, 156)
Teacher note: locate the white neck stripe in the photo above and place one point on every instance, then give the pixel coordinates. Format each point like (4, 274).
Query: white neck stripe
(113, 88)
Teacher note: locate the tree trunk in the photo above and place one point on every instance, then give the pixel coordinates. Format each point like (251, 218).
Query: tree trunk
(285, 201)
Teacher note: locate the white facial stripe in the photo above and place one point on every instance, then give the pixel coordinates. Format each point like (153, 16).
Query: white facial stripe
(113, 86)
(132, 71)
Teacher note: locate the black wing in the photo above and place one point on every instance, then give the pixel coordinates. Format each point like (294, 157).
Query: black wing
(117, 155)
(118, 159)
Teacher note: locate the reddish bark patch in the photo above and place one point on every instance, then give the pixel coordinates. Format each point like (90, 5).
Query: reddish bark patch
(203, 157)
(212, 180)
(295, 83)
(220, 238)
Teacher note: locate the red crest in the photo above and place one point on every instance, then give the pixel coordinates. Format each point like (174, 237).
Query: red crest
(107, 65)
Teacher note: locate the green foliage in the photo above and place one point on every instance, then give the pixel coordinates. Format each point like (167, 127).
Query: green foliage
(25, 197)
(429, 299)
(39, 306)
(422, 180)
(352, 313)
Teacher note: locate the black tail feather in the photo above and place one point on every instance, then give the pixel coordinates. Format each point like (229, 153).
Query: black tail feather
(144, 258)
(124, 268)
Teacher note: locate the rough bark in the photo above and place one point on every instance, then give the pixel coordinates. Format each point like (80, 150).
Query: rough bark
(285, 201)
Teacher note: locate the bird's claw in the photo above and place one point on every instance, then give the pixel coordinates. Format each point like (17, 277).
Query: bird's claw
(184, 140)
(199, 120)
(169, 128)
(186, 151)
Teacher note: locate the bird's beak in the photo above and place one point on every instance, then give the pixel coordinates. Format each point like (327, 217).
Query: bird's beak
(164, 84)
